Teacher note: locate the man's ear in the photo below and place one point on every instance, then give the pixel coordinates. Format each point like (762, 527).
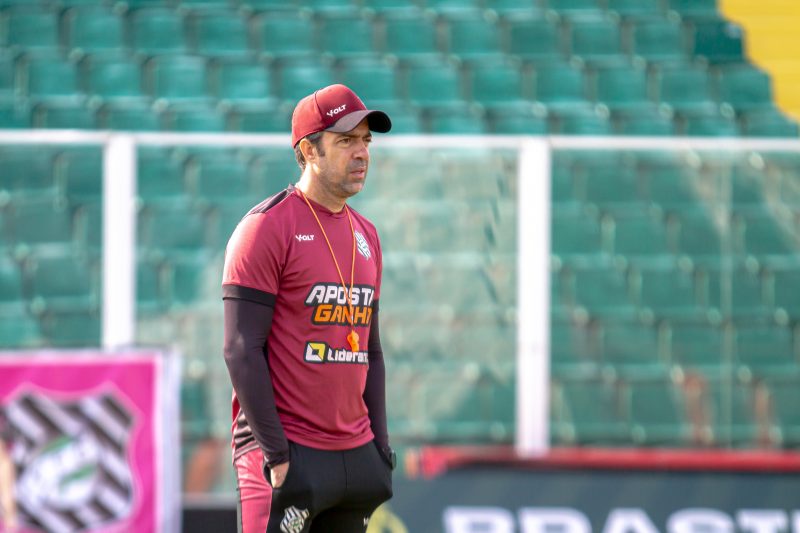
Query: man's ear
(308, 149)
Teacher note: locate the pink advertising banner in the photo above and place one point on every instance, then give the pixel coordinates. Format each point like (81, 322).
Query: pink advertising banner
(85, 433)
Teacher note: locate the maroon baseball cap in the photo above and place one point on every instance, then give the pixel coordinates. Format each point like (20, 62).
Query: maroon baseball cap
(334, 108)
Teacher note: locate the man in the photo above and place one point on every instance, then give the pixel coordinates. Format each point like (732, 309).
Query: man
(301, 285)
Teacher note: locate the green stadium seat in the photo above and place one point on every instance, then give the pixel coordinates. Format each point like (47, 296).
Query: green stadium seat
(640, 234)
(763, 232)
(658, 413)
(434, 84)
(286, 34)
(749, 186)
(192, 280)
(374, 80)
(517, 120)
(175, 232)
(669, 292)
(623, 88)
(129, 117)
(698, 347)
(7, 76)
(631, 349)
(220, 176)
(347, 35)
(239, 81)
(645, 122)
(686, 88)
(455, 120)
(533, 37)
(572, 349)
(732, 409)
(11, 293)
(448, 7)
(160, 176)
(81, 174)
(54, 233)
(267, 5)
(93, 29)
(583, 121)
(574, 233)
(575, 7)
(511, 7)
(410, 34)
(744, 87)
(785, 397)
(301, 78)
(737, 292)
(63, 283)
(768, 123)
(32, 28)
(220, 33)
(659, 40)
(601, 290)
(496, 85)
(698, 234)
(63, 116)
(178, 77)
(194, 118)
(263, 119)
(52, 78)
(390, 6)
(674, 186)
(634, 8)
(711, 124)
(324, 6)
(694, 8)
(113, 78)
(27, 171)
(20, 331)
(594, 412)
(473, 35)
(786, 284)
(157, 31)
(72, 329)
(766, 349)
(718, 41)
(597, 40)
(560, 86)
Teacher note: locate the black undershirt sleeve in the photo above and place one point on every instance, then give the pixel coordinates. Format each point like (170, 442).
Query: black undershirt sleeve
(375, 389)
(248, 319)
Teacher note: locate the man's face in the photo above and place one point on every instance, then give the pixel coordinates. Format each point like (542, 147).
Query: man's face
(341, 166)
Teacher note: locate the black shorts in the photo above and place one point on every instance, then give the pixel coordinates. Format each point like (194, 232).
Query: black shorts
(330, 491)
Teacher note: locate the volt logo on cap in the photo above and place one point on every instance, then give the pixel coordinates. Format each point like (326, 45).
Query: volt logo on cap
(336, 111)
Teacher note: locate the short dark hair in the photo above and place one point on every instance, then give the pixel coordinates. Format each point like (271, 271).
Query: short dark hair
(314, 139)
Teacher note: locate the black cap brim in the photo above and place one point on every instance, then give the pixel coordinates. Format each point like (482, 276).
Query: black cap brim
(376, 120)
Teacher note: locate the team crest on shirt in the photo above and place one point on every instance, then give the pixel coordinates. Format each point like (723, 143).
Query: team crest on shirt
(363, 247)
(293, 520)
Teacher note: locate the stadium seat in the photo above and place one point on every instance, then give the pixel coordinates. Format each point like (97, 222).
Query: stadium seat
(27, 171)
(638, 233)
(177, 77)
(768, 123)
(786, 283)
(192, 279)
(510, 7)
(718, 41)
(346, 35)
(698, 347)
(645, 122)
(461, 121)
(582, 121)
(472, 36)
(434, 84)
(560, 86)
(669, 292)
(496, 85)
(114, 78)
(694, 8)
(160, 177)
(71, 329)
(571, 7)
(11, 288)
(594, 411)
(219, 176)
(448, 7)
(194, 117)
(20, 331)
(785, 397)
(220, 33)
(711, 124)
(93, 29)
(762, 231)
(520, 119)
(575, 233)
(631, 349)
(32, 28)
(659, 40)
(374, 80)
(675, 186)
(81, 175)
(241, 82)
(175, 232)
(732, 410)
(601, 290)
(151, 291)
(658, 413)
(63, 284)
(533, 37)
(54, 233)
(596, 40)
(129, 117)
(302, 77)
(623, 88)
(686, 88)
(52, 78)
(325, 6)
(67, 115)
(698, 234)
(572, 348)
(634, 8)
(7, 77)
(744, 87)
(737, 292)
(411, 35)
(157, 30)
(264, 119)
(766, 349)
(286, 34)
